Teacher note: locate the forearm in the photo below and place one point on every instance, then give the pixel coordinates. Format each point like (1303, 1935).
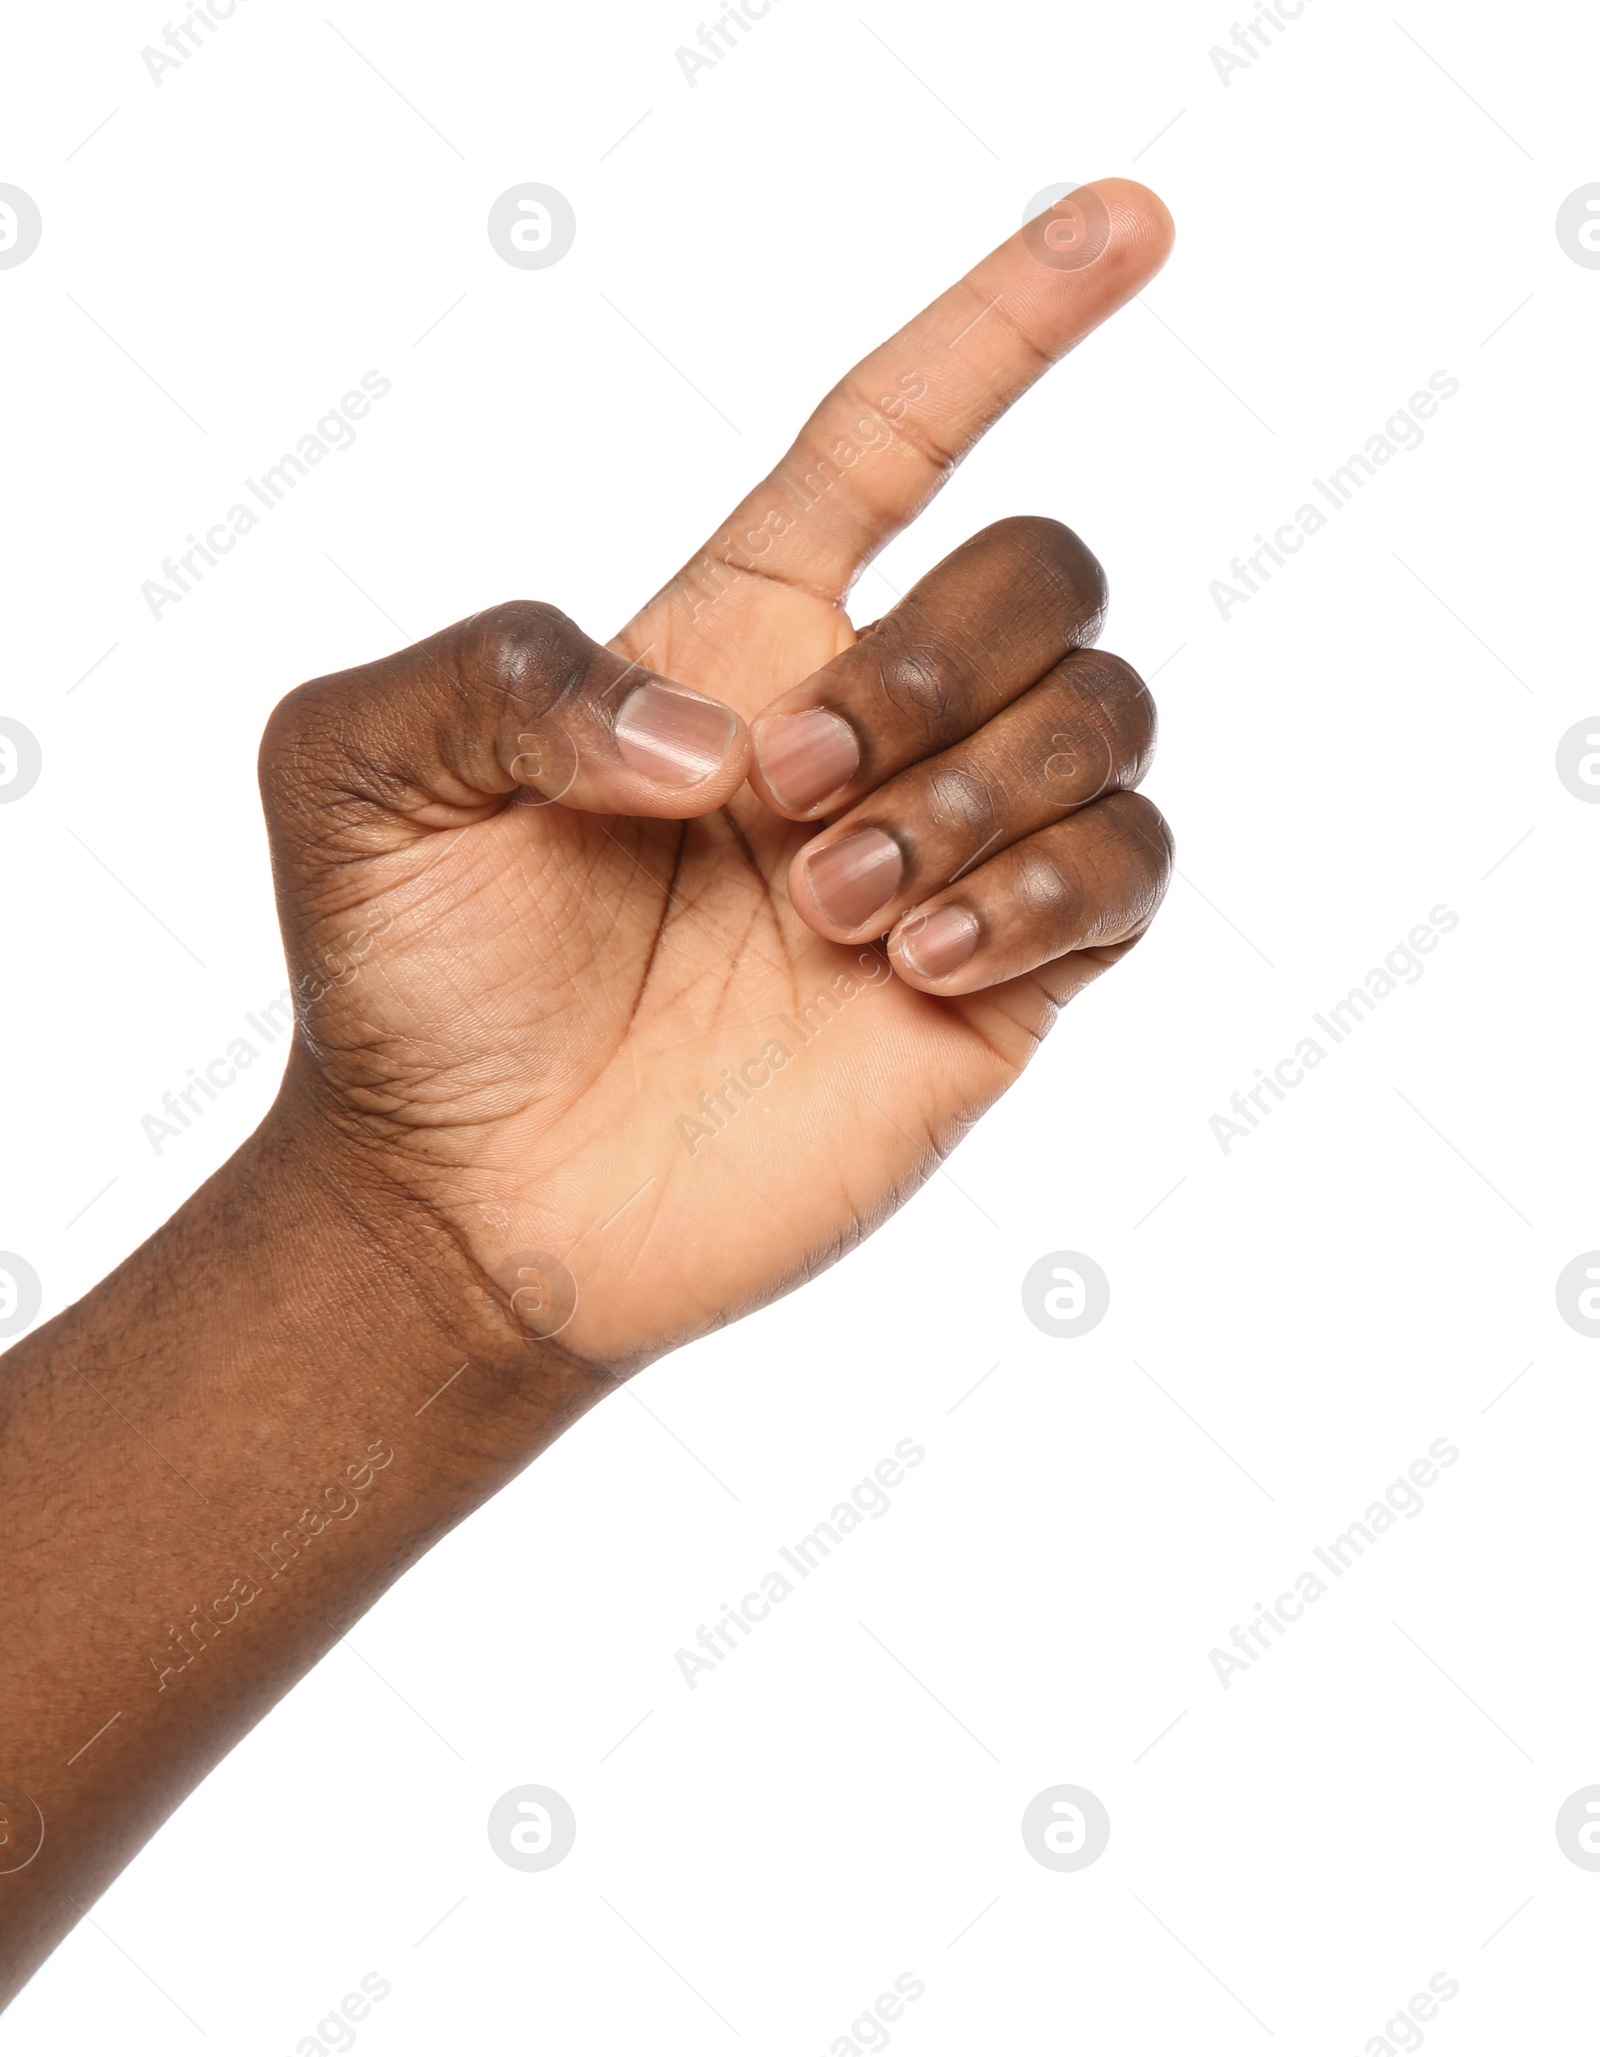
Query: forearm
(210, 1466)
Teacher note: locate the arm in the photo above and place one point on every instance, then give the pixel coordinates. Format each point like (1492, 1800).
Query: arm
(211, 1466)
(556, 921)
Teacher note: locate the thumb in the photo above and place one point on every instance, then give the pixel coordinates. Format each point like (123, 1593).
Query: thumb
(515, 699)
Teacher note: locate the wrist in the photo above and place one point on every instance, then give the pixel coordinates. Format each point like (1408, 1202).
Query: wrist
(395, 1306)
(478, 1203)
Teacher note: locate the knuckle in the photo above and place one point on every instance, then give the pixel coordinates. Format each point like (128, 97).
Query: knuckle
(1121, 706)
(290, 740)
(1091, 728)
(1063, 560)
(917, 678)
(963, 798)
(1146, 832)
(525, 652)
(1046, 890)
(1037, 534)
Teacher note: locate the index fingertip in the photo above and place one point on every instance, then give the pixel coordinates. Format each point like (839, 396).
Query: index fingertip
(1140, 218)
(1090, 250)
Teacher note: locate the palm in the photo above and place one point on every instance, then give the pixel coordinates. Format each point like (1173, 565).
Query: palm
(569, 994)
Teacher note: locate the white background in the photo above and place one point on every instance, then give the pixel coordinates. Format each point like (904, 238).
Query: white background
(1370, 736)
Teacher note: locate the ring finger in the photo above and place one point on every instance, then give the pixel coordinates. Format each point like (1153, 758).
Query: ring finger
(1089, 882)
(1085, 730)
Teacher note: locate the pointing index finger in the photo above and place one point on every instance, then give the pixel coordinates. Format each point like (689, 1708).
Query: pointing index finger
(887, 437)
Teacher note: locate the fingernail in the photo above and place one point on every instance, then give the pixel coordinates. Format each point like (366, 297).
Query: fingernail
(675, 737)
(805, 757)
(934, 945)
(853, 879)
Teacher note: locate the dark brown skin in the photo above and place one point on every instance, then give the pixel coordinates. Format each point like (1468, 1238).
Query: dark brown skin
(540, 971)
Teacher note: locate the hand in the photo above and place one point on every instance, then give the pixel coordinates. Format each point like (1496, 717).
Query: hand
(568, 986)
